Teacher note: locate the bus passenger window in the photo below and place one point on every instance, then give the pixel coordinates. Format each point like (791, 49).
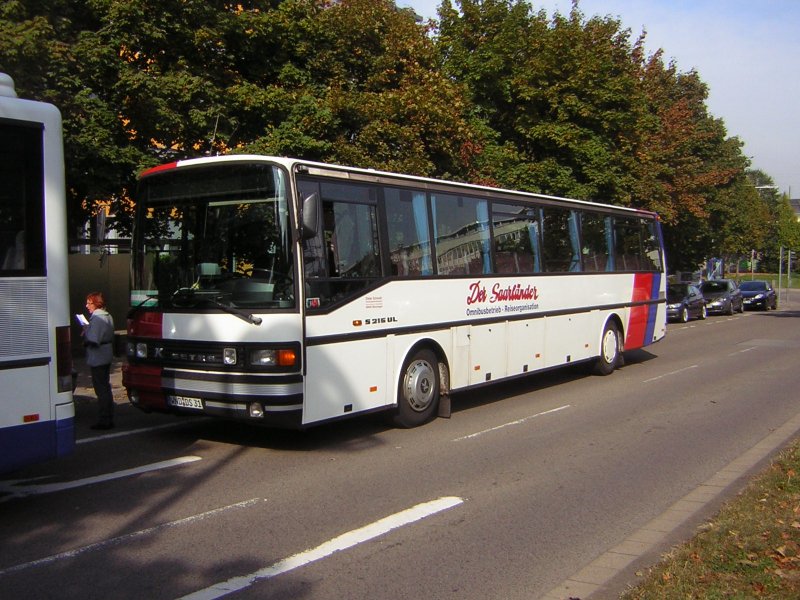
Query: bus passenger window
(409, 232)
(627, 244)
(516, 238)
(351, 234)
(560, 242)
(461, 229)
(595, 239)
(651, 246)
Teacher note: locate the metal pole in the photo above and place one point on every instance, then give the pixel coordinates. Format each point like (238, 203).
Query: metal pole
(780, 276)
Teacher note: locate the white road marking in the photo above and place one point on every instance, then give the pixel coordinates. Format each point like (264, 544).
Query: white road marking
(342, 542)
(743, 351)
(129, 536)
(118, 434)
(20, 491)
(671, 373)
(517, 422)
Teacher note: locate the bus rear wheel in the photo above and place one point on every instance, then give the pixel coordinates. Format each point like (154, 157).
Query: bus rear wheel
(609, 350)
(418, 394)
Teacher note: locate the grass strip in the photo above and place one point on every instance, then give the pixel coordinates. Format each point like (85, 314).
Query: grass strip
(751, 549)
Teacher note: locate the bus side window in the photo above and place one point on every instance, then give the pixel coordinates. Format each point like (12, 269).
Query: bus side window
(560, 243)
(461, 230)
(409, 232)
(516, 238)
(627, 244)
(22, 198)
(595, 242)
(651, 245)
(345, 257)
(351, 235)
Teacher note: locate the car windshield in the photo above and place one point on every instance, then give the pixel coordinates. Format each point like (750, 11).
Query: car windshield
(219, 235)
(715, 286)
(754, 286)
(677, 292)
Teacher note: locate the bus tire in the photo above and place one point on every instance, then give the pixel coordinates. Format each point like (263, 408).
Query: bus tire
(418, 390)
(609, 350)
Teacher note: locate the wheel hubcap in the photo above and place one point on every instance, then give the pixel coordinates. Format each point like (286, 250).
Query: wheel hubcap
(610, 346)
(419, 385)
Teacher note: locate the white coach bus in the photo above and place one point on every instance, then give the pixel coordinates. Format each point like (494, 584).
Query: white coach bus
(36, 408)
(292, 293)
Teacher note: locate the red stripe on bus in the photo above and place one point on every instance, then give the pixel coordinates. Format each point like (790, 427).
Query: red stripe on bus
(637, 324)
(145, 324)
(165, 167)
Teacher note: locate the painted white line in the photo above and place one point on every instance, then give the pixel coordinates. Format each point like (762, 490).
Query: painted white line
(342, 542)
(16, 491)
(127, 537)
(118, 434)
(743, 351)
(517, 422)
(671, 373)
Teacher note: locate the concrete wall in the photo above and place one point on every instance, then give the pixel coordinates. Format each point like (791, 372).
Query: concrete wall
(88, 274)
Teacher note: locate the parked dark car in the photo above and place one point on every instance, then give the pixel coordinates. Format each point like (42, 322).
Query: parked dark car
(723, 296)
(758, 294)
(685, 301)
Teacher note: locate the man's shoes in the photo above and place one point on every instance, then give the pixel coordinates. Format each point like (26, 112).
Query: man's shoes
(102, 426)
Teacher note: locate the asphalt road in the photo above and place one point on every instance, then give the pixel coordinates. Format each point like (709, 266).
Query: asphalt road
(524, 486)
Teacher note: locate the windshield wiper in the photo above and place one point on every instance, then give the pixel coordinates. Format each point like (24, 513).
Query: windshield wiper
(188, 295)
(242, 314)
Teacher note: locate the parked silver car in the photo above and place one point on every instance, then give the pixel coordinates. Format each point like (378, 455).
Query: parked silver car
(723, 296)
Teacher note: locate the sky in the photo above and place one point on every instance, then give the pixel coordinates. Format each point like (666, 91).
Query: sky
(746, 51)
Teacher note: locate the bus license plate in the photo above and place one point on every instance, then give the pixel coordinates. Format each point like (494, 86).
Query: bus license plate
(185, 402)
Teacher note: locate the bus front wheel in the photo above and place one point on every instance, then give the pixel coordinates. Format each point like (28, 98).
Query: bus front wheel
(418, 395)
(609, 350)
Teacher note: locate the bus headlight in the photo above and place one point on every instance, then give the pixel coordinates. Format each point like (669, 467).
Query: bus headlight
(229, 356)
(264, 358)
(273, 357)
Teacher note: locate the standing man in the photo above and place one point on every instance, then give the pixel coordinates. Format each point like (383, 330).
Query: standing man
(98, 338)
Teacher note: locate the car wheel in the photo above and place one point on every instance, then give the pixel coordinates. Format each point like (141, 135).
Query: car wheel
(741, 307)
(730, 308)
(684, 315)
(418, 393)
(703, 312)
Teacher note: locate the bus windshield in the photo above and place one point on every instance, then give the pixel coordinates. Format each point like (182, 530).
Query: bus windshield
(218, 235)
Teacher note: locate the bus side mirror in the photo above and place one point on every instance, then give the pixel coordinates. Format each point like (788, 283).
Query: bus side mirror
(310, 216)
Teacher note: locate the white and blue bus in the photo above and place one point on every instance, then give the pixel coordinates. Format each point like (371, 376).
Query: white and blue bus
(292, 293)
(36, 408)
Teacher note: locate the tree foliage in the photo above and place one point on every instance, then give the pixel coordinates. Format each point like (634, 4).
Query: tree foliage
(494, 93)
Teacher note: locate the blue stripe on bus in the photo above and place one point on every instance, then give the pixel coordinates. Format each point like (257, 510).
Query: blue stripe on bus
(34, 442)
(653, 309)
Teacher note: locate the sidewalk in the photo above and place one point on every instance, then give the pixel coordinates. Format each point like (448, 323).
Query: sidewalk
(84, 396)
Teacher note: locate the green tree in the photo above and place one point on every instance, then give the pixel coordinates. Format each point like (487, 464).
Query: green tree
(560, 94)
(783, 230)
(140, 82)
(372, 96)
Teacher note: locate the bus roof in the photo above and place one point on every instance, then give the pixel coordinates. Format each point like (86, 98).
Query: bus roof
(357, 173)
